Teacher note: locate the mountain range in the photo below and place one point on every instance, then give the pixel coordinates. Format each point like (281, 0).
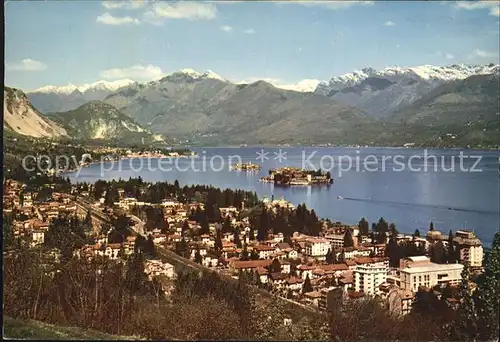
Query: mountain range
(22, 118)
(93, 120)
(391, 106)
(96, 120)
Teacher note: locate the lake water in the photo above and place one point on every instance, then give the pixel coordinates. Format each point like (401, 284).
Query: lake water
(406, 191)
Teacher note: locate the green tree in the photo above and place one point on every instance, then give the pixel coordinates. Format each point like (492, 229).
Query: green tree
(488, 294)
(451, 250)
(197, 256)
(331, 257)
(88, 220)
(254, 255)
(244, 253)
(416, 233)
(307, 287)
(341, 257)
(364, 227)
(218, 242)
(438, 253)
(465, 326)
(275, 266)
(348, 240)
(236, 238)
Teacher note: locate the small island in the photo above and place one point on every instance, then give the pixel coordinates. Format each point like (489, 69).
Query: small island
(246, 167)
(294, 176)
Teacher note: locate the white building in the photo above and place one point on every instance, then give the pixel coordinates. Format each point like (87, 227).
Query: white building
(157, 267)
(37, 237)
(317, 248)
(368, 277)
(336, 240)
(471, 248)
(430, 275)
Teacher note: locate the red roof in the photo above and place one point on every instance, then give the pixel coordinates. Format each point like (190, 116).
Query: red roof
(263, 248)
(251, 263)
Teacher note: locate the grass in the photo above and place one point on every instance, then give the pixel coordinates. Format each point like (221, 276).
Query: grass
(36, 330)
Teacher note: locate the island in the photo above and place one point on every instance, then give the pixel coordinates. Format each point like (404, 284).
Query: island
(245, 167)
(295, 176)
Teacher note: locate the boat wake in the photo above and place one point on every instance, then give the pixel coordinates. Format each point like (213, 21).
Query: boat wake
(490, 212)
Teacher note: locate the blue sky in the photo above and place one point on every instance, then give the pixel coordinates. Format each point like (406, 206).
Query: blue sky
(56, 42)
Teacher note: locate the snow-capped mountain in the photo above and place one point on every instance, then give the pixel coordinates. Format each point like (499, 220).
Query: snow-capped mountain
(208, 74)
(380, 92)
(376, 92)
(396, 74)
(304, 86)
(96, 86)
(62, 98)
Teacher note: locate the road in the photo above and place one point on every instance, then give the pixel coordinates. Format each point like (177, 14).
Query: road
(139, 225)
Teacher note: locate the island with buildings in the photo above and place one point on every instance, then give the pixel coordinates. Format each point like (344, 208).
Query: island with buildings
(246, 167)
(295, 176)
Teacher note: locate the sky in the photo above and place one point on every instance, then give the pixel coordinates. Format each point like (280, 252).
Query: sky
(77, 42)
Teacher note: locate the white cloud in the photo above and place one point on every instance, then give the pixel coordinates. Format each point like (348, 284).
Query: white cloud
(249, 31)
(484, 54)
(492, 6)
(108, 19)
(389, 23)
(181, 10)
(332, 4)
(135, 72)
(249, 80)
(27, 64)
(449, 56)
(226, 28)
(130, 4)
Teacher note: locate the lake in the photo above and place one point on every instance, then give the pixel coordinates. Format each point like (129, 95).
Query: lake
(456, 189)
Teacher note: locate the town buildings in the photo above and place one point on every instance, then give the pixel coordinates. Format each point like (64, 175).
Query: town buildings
(368, 277)
(470, 247)
(422, 272)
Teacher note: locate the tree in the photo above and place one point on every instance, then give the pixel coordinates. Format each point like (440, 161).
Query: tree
(197, 256)
(244, 253)
(348, 240)
(488, 294)
(364, 227)
(218, 242)
(331, 257)
(226, 226)
(451, 254)
(416, 233)
(431, 226)
(185, 228)
(275, 266)
(342, 256)
(465, 326)
(393, 252)
(236, 238)
(307, 287)
(438, 253)
(254, 255)
(8, 235)
(88, 220)
(393, 230)
(149, 246)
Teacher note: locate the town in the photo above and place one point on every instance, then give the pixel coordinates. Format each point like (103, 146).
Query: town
(332, 262)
